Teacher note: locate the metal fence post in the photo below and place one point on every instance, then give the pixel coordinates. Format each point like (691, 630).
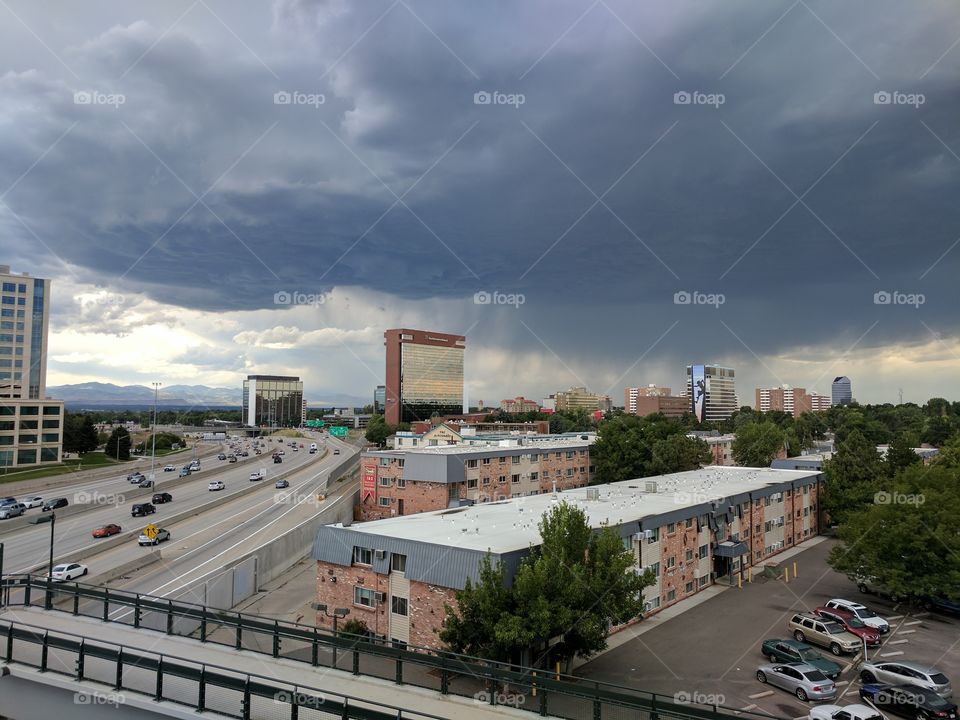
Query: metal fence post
(399, 679)
(444, 679)
(169, 617)
(202, 690)
(239, 642)
(76, 602)
(276, 638)
(44, 651)
(10, 643)
(315, 650)
(26, 593)
(158, 694)
(246, 699)
(356, 662)
(106, 605)
(119, 679)
(136, 611)
(543, 701)
(203, 624)
(80, 658)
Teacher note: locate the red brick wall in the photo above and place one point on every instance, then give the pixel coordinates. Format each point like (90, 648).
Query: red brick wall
(676, 545)
(426, 613)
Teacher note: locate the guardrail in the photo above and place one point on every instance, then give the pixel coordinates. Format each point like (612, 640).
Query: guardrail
(536, 690)
(207, 688)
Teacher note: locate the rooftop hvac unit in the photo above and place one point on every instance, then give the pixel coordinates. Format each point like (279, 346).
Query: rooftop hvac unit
(650, 486)
(593, 493)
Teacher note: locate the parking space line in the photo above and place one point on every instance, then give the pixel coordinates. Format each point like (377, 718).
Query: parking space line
(921, 614)
(897, 642)
(766, 693)
(906, 632)
(891, 654)
(751, 706)
(894, 617)
(841, 682)
(914, 622)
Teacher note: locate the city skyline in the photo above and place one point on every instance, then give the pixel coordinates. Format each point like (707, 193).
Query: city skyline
(219, 199)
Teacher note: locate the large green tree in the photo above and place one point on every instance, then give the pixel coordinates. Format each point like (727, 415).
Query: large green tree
(853, 476)
(473, 627)
(757, 444)
(900, 455)
(678, 453)
(79, 433)
(118, 444)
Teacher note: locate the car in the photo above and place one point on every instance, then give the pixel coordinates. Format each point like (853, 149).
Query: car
(8, 501)
(258, 475)
(106, 530)
(312, 451)
(941, 604)
(135, 477)
(231, 458)
(141, 509)
(185, 471)
(277, 459)
(54, 503)
(904, 672)
(301, 445)
(281, 484)
(281, 452)
(856, 711)
(32, 502)
(161, 498)
(909, 701)
(851, 623)
(146, 484)
(68, 571)
(245, 454)
(336, 451)
(816, 630)
(169, 468)
(216, 485)
(11, 511)
(257, 452)
(791, 651)
(194, 466)
(221, 456)
(161, 536)
(868, 616)
(804, 681)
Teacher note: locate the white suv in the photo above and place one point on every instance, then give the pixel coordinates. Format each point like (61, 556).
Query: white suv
(865, 614)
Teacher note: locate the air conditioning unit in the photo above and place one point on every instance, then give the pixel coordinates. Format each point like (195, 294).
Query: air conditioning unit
(637, 537)
(593, 493)
(381, 597)
(648, 534)
(379, 554)
(650, 486)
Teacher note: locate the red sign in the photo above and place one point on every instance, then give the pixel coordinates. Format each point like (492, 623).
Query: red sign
(369, 486)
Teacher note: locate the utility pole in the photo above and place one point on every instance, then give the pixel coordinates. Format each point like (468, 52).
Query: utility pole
(153, 452)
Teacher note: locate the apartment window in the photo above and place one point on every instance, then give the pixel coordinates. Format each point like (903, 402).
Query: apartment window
(582, 453)
(689, 587)
(534, 475)
(400, 463)
(515, 459)
(401, 483)
(702, 551)
(365, 597)
(472, 483)
(671, 562)
(398, 605)
(502, 459)
(384, 482)
(758, 529)
(704, 580)
(569, 472)
(384, 502)
(652, 604)
(806, 489)
(534, 457)
(502, 478)
(384, 462)
(514, 478)
(671, 528)
(766, 501)
(398, 563)
(655, 536)
(471, 463)
(689, 523)
(656, 569)
(486, 461)
(671, 595)
(557, 455)
(767, 525)
(569, 454)
(689, 555)
(362, 556)
(486, 481)
(9, 287)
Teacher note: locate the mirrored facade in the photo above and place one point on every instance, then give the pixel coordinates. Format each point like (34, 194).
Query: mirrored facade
(273, 400)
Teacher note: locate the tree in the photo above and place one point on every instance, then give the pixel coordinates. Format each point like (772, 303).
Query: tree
(900, 455)
(471, 628)
(853, 476)
(353, 626)
(678, 453)
(79, 433)
(757, 444)
(118, 444)
(937, 430)
(377, 430)
(619, 452)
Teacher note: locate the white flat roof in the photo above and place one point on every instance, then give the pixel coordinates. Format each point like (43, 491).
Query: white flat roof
(510, 525)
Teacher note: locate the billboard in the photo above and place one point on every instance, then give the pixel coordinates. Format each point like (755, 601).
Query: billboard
(369, 487)
(698, 391)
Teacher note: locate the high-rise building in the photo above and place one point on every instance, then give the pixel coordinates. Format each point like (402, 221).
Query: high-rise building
(31, 426)
(273, 400)
(841, 392)
(578, 398)
(712, 392)
(643, 401)
(424, 374)
(795, 401)
(379, 396)
(819, 403)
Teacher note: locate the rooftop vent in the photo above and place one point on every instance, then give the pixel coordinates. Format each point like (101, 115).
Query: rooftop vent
(650, 486)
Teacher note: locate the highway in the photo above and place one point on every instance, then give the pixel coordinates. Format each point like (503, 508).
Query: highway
(28, 547)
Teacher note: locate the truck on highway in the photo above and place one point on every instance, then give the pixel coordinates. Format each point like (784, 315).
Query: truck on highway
(258, 474)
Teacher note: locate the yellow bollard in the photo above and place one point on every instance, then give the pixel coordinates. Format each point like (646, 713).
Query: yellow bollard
(558, 670)
(750, 575)
(533, 685)
(786, 575)
(794, 569)
(739, 582)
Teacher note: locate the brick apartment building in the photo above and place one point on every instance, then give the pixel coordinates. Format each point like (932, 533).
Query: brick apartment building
(793, 401)
(643, 401)
(405, 482)
(519, 404)
(690, 528)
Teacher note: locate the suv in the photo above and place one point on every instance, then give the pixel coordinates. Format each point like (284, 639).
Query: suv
(221, 456)
(898, 672)
(142, 509)
(161, 498)
(791, 651)
(813, 629)
(851, 623)
(862, 612)
(54, 503)
(136, 477)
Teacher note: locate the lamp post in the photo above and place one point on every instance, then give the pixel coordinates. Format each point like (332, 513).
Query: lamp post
(40, 520)
(153, 452)
(337, 613)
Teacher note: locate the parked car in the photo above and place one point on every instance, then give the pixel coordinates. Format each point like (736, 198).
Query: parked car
(846, 712)
(816, 630)
(184, 472)
(146, 484)
(909, 701)
(792, 651)
(162, 536)
(216, 485)
(68, 571)
(851, 623)
(900, 672)
(804, 681)
(8, 501)
(281, 484)
(169, 468)
(106, 530)
(941, 604)
(32, 502)
(868, 616)
(11, 511)
(54, 503)
(142, 509)
(161, 498)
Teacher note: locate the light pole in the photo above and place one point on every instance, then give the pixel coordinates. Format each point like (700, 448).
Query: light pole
(153, 452)
(40, 520)
(337, 613)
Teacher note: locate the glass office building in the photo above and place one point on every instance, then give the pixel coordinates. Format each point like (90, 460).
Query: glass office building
(841, 391)
(712, 392)
(273, 400)
(424, 375)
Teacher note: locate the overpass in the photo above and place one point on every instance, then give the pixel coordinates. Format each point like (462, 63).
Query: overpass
(172, 659)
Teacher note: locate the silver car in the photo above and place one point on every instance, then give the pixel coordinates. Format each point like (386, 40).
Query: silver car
(904, 672)
(11, 511)
(804, 681)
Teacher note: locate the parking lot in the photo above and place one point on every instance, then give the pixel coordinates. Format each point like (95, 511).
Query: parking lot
(710, 653)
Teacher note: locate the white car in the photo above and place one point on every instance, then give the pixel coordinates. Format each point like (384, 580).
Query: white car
(216, 485)
(865, 614)
(69, 571)
(32, 502)
(847, 712)
(169, 468)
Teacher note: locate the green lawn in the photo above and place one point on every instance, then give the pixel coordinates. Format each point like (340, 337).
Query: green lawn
(87, 461)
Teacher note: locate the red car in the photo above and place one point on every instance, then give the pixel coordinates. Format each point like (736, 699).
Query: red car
(106, 531)
(851, 623)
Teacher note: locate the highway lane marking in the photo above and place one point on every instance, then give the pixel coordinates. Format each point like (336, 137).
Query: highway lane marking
(891, 654)
(756, 696)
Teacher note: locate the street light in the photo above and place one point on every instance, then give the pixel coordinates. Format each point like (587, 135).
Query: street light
(337, 613)
(40, 520)
(153, 452)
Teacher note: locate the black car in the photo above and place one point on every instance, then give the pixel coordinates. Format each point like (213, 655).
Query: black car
(910, 701)
(161, 498)
(142, 509)
(54, 503)
(277, 459)
(221, 456)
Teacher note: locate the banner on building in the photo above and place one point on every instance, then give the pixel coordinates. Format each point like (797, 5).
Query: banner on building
(369, 485)
(698, 391)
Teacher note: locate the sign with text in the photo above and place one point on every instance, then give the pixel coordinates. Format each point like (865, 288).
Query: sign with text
(369, 487)
(338, 431)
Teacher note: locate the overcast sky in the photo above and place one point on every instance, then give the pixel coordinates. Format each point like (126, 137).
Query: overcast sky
(188, 172)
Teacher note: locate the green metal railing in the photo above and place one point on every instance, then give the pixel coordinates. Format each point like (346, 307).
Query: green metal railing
(536, 690)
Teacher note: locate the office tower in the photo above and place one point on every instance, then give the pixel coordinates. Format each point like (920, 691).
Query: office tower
(841, 392)
(273, 400)
(379, 395)
(424, 374)
(712, 392)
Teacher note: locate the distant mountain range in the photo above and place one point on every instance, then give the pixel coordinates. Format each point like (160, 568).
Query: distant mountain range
(108, 395)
